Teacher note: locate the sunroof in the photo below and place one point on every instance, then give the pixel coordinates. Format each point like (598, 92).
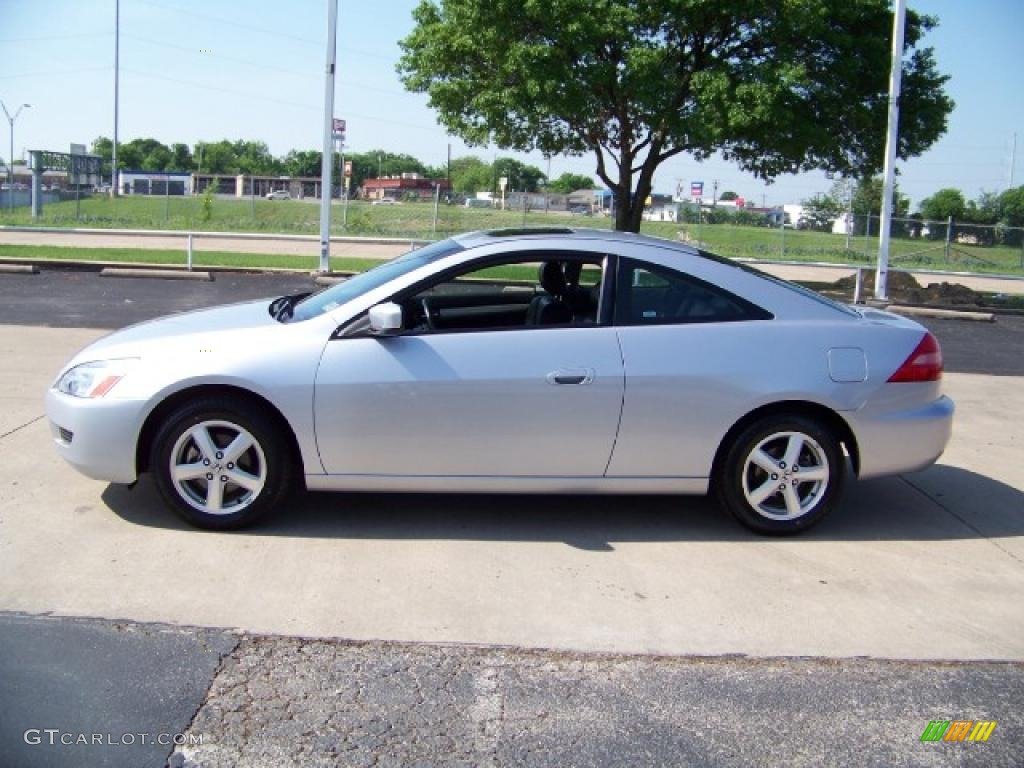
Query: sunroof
(516, 232)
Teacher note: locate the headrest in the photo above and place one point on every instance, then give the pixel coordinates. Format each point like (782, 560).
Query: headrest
(552, 278)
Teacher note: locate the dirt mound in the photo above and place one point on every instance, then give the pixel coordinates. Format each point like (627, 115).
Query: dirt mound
(904, 289)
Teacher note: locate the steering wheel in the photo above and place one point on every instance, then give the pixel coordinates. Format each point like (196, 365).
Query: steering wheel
(427, 317)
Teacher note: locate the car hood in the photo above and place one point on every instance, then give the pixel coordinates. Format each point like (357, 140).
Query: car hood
(150, 336)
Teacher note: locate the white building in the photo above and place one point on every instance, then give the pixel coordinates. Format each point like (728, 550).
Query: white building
(154, 182)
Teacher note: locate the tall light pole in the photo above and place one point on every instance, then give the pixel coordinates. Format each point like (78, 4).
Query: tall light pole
(117, 54)
(10, 160)
(891, 140)
(325, 165)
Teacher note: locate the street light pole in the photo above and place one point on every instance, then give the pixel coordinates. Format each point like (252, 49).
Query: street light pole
(117, 68)
(10, 160)
(895, 76)
(328, 146)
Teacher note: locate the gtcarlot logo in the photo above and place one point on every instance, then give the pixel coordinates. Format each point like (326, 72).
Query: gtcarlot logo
(57, 737)
(958, 730)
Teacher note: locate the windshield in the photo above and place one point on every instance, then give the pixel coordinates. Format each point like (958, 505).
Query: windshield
(364, 282)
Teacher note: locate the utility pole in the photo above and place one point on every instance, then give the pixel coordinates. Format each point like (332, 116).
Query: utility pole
(117, 60)
(714, 194)
(325, 165)
(1013, 158)
(895, 76)
(10, 160)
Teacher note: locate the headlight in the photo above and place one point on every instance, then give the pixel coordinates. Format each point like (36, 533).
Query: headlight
(94, 379)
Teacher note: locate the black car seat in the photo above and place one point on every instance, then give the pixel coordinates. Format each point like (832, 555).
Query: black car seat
(582, 300)
(550, 308)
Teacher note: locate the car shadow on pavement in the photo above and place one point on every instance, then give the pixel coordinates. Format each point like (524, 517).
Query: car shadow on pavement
(943, 502)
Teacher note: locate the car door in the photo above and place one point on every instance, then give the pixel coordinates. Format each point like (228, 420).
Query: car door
(518, 401)
(694, 361)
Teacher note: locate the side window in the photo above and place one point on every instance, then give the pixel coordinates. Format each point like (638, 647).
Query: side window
(648, 294)
(537, 290)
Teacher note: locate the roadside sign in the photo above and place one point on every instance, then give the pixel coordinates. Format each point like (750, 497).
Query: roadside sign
(78, 149)
(503, 182)
(696, 189)
(339, 129)
(348, 169)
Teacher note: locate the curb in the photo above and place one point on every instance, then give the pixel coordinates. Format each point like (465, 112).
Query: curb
(19, 269)
(159, 274)
(97, 266)
(947, 314)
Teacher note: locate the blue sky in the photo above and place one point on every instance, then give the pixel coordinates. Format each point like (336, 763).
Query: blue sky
(195, 70)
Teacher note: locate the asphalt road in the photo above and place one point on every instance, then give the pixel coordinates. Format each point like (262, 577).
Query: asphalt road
(83, 299)
(64, 683)
(260, 701)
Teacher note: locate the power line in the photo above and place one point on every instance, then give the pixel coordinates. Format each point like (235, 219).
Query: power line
(232, 23)
(261, 97)
(55, 73)
(53, 37)
(244, 62)
(257, 64)
(204, 86)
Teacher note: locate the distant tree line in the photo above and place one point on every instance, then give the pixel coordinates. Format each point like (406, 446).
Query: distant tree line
(469, 175)
(997, 218)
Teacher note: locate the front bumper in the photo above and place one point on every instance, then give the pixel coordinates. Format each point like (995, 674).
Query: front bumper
(98, 437)
(892, 442)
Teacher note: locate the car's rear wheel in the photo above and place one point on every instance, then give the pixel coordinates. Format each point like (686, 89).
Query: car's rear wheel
(781, 475)
(220, 464)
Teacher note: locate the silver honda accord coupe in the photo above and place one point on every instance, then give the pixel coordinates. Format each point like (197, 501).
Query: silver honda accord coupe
(513, 361)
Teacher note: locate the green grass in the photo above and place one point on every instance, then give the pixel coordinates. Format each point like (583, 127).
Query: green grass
(416, 221)
(200, 259)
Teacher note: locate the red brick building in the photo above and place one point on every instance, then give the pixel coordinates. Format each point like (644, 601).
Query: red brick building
(401, 187)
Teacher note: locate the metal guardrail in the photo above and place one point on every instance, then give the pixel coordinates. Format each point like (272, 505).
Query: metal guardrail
(191, 236)
(209, 233)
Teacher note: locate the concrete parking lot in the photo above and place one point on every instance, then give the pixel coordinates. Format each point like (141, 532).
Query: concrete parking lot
(889, 575)
(927, 567)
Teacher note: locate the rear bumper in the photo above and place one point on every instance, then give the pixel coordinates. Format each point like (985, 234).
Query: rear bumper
(899, 441)
(97, 437)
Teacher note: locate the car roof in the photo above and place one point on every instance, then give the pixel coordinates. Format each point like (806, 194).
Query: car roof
(485, 237)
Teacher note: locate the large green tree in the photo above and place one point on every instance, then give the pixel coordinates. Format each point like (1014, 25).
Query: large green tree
(521, 177)
(776, 86)
(943, 204)
(570, 182)
(471, 175)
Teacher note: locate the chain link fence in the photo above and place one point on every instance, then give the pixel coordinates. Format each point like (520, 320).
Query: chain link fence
(915, 243)
(952, 245)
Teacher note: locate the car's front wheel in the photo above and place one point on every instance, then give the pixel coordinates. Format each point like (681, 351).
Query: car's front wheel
(781, 475)
(220, 464)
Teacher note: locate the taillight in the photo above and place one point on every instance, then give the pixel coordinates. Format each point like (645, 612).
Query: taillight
(924, 363)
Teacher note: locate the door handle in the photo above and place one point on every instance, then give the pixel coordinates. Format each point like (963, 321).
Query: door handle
(571, 376)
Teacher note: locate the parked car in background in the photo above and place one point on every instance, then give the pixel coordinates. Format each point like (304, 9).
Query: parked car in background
(385, 201)
(279, 194)
(519, 361)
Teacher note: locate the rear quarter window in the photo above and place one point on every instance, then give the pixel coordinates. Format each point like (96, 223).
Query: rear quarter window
(650, 294)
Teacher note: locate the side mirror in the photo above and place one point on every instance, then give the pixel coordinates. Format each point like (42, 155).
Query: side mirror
(385, 319)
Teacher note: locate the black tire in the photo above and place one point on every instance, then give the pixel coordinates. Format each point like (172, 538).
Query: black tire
(221, 419)
(804, 502)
